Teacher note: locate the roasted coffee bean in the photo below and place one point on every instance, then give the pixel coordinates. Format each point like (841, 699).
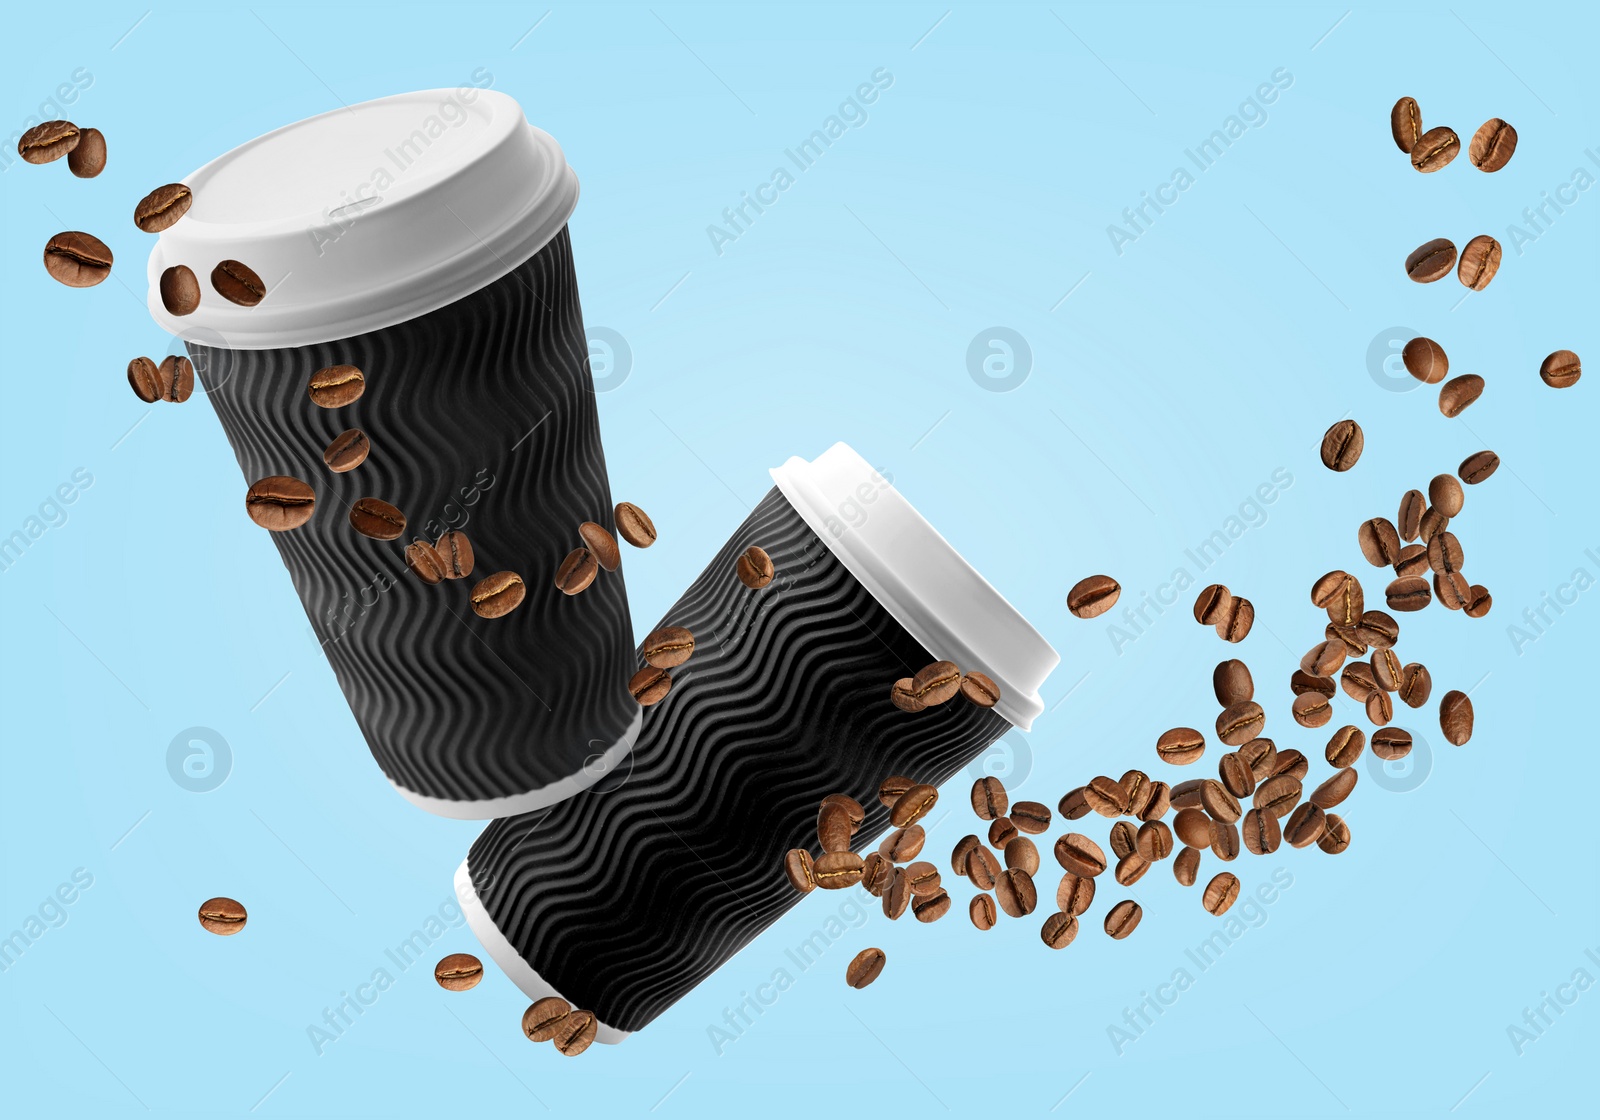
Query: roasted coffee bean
(1378, 630)
(1301, 682)
(144, 379)
(1478, 601)
(1241, 616)
(456, 551)
(1123, 918)
(458, 972)
(238, 283)
(981, 911)
(1335, 836)
(923, 878)
(1380, 707)
(1015, 893)
(1160, 801)
(1080, 855)
(1561, 369)
(424, 562)
(1451, 590)
(1130, 869)
(1434, 522)
(222, 916)
(180, 290)
(48, 142)
(963, 849)
(1413, 560)
(1432, 260)
(1124, 838)
(1408, 593)
(1023, 854)
(893, 788)
(1480, 260)
(1182, 745)
(336, 386)
(162, 207)
(1261, 832)
(375, 518)
(81, 260)
(1339, 593)
(176, 377)
(1409, 523)
(1186, 795)
(1073, 805)
(668, 647)
(1136, 784)
(866, 967)
(1334, 790)
(1186, 867)
(1219, 803)
(1235, 773)
(1059, 930)
(905, 843)
(836, 870)
(1478, 466)
(1380, 542)
(1305, 824)
(1425, 360)
(1458, 393)
(936, 683)
(648, 686)
(1154, 841)
(1345, 747)
(897, 898)
(346, 451)
(1261, 755)
(503, 592)
(1492, 145)
(1323, 659)
(754, 568)
(1291, 763)
(989, 799)
(88, 159)
(1001, 832)
(1387, 670)
(833, 828)
(543, 1017)
(1075, 894)
(280, 503)
(854, 813)
(978, 689)
(1445, 554)
(1232, 683)
(1391, 743)
(797, 866)
(1220, 893)
(982, 868)
(1030, 817)
(903, 694)
(1211, 606)
(1416, 685)
(1093, 596)
(1193, 827)
(575, 1033)
(1435, 148)
(1225, 842)
(1240, 723)
(1455, 717)
(1106, 796)
(1405, 124)
(634, 525)
(1341, 445)
(602, 544)
(913, 805)
(1278, 795)
(577, 571)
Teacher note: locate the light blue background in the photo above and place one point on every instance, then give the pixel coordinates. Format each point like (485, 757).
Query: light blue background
(1171, 383)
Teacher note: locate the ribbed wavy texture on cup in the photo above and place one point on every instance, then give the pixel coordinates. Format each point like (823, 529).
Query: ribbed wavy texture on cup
(628, 895)
(481, 417)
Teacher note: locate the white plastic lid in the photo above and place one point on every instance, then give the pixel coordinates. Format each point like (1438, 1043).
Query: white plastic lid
(918, 578)
(365, 217)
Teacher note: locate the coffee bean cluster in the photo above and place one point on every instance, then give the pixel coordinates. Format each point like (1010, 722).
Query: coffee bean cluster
(1491, 148)
(942, 681)
(1230, 615)
(85, 148)
(1475, 265)
(664, 649)
(552, 1019)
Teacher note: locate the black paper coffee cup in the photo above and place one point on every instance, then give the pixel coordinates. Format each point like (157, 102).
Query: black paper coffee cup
(624, 898)
(451, 287)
